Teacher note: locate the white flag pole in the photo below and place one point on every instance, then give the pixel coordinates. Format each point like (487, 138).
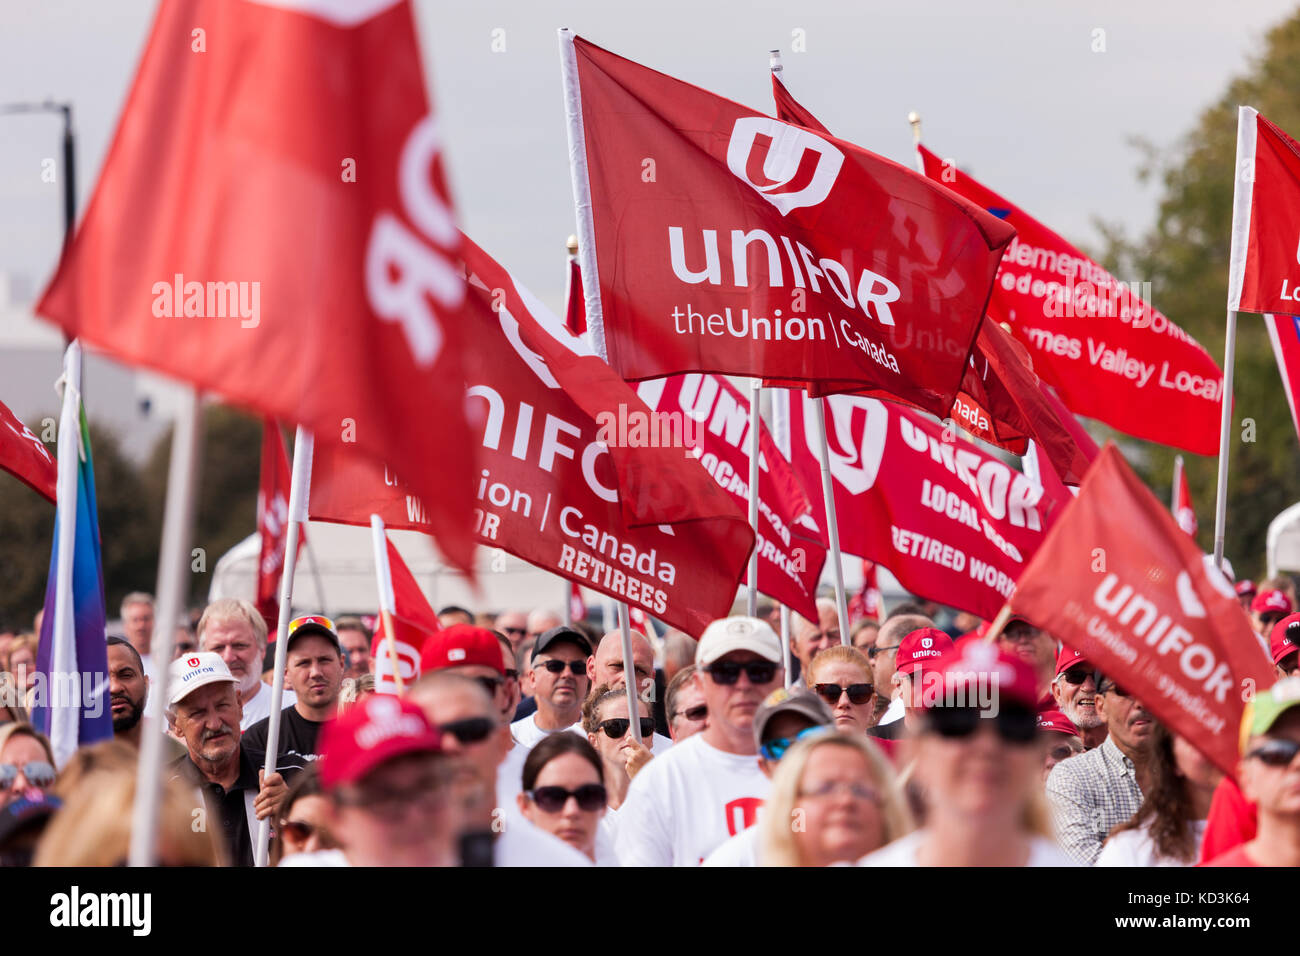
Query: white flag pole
(387, 602)
(299, 498)
(173, 566)
(1241, 211)
(591, 292)
(1178, 480)
(65, 715)
(832, 528)
(755, 429)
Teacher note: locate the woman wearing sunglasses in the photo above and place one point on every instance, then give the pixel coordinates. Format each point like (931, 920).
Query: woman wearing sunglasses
(841, 791)
(1168, 827)
(26, 761)
(564, 791)
(841, 676)
(979, 758)
(300, 823)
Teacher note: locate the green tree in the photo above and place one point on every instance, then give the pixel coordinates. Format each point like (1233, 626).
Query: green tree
(128, 530)
(1185, 257)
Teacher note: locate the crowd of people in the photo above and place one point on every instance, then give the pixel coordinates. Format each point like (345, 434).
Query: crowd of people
(912, 744)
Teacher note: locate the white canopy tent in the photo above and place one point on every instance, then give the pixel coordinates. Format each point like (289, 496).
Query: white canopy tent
(346, 573)
(1283, 542)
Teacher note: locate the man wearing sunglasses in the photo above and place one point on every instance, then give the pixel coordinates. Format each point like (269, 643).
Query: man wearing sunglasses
(1284, 645)
(1074, 689)
(558, 671)
(688, 713)
(605, 666)
(884, 661)
(685, 803)
(514, 625)
(1269, 775)
(1095, 791)
(918, 653)
(783, 718)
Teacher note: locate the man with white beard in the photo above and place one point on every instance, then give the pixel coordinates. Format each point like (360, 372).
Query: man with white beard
(233, 629)
(1075, 690)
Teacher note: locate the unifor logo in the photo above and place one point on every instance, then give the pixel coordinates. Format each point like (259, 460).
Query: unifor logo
(854, 463)
(788, 166)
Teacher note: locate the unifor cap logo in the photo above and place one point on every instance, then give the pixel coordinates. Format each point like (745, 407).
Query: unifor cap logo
(192, 662)
(927, 642)
(788, 166)
(456, 654)
(739, 626)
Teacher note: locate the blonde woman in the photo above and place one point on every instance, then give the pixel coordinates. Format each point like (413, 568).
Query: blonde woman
(26, 761)
(94, 826)
(979, 760)
(841, 676)
(834, 799)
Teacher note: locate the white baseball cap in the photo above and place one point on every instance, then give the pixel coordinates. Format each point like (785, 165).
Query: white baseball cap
(192, 671)
(729, 634)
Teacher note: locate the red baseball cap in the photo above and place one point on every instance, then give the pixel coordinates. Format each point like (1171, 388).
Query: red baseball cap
(1067, 658)
(460, 645)
(925, 645)
(976, 662)
(1055, 720)
(375, 730)
(1245, 588)
(1270, 600)
(1284, 639)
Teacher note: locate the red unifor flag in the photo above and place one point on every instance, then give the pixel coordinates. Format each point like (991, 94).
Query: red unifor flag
(1264, 273)
(413, 620)
(575, 310)
(25, 457)
(273, 224)
(951, 523)
(273, 522)
(1108, 353)
(714, 238)
(717, 415)
(1284, 334)
(1122, 584)
(1000, 399)
(640, 521)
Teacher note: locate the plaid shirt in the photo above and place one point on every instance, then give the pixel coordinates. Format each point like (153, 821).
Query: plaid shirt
(1089, 794)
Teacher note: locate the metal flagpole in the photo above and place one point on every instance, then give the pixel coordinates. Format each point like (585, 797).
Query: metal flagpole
(1178, 480)
(387, 602)
(781, 435)
(832, 529)
(755, 426)
(299, 495)
(173, 564)
(591, 291)
(1241, 211)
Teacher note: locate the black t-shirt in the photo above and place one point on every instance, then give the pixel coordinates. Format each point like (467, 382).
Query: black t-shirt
(227, 807)
(297, 745)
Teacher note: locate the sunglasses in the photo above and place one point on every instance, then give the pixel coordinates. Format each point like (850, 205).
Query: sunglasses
(1061, 752)
(773, 750)
(728, 672)
(698, 712)
(859, 791)
(300, 831)
(1278, 752)
(577, 668)
(1077, 675)
(590, 796)
(471, 730)
(490, 684)
(873, 651)
(616, 727)
(521, 631)
(1113, 688)
(1014, 725)
(858, 693)
(39, 774)
(298, 622)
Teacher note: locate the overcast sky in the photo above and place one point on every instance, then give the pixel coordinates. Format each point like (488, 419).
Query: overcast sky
(1012, 90)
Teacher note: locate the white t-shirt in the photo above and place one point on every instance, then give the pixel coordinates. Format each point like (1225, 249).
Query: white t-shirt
(522, 844)
(528, 735)
(1136, 848)
(893, 712)
(259, 705)
(510, 778)
(684, 804)
(319, 858)
(902, 852)
(740, 850)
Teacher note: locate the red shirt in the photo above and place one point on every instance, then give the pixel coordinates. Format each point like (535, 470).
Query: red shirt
(1234, 857)
(1231, 821)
